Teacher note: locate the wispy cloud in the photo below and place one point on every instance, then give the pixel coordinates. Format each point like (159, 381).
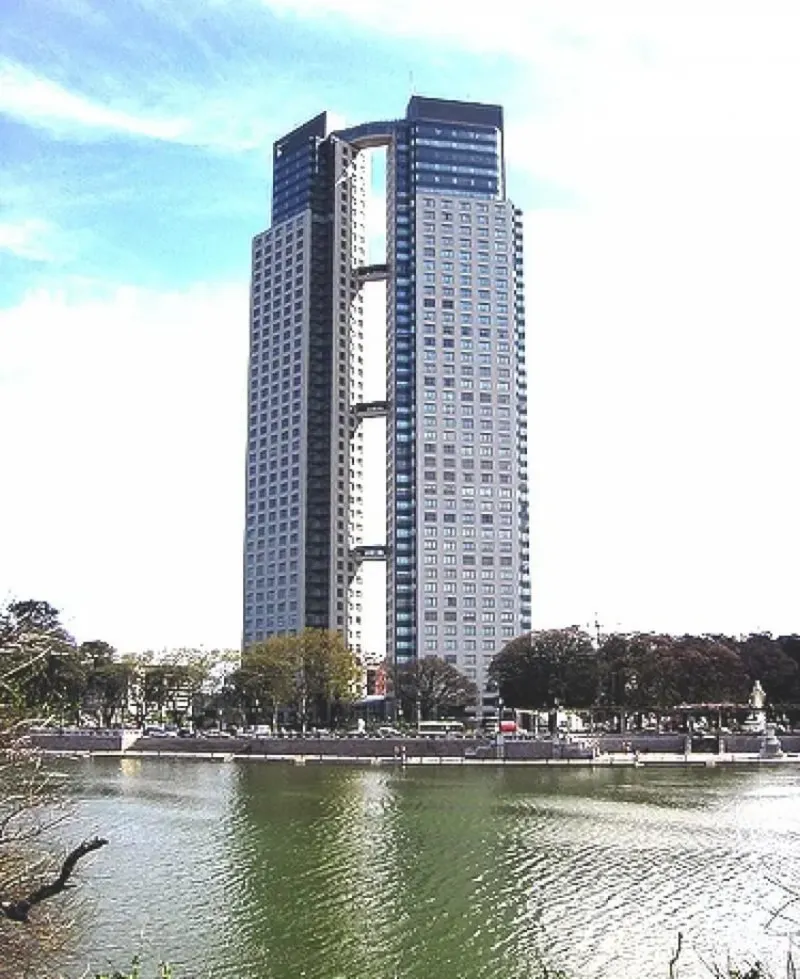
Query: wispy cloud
(36, 240)
(34, 99)
(619, 103)
(77, 368)
(193, 119)
(532, 30)
(547, 33)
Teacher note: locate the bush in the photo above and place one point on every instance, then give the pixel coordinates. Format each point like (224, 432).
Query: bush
(164, 972)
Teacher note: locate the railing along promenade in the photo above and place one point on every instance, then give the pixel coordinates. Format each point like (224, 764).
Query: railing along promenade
(597, 749)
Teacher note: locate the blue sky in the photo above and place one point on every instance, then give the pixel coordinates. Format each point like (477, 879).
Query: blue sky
(653, 150)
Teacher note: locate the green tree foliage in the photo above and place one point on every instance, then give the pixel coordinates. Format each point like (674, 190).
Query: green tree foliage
(265, 680)
(542, 668)
(326, 673)
(770, 661)
(40, 668)
(109, 682)
(649, 670)
(638, 670)
(49, 676)
(645, 669)
(706, 670)
(435, 688)
(312, 672)
(175, 684)
(168, 688)
(41, 671)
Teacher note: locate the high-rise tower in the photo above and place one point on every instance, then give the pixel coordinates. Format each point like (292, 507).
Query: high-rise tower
(456, 546)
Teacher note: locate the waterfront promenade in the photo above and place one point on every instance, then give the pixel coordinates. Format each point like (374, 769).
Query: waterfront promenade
(602, 750)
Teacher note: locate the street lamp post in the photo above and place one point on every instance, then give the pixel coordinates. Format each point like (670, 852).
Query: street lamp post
(500, 740)
(398, 710)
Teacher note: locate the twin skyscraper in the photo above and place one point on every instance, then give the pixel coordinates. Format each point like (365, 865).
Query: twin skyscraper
(457, 539)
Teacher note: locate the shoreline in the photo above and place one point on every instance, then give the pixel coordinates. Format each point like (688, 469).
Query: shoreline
(610, 760)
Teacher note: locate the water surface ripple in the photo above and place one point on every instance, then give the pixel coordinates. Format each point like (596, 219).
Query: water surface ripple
(260, 871)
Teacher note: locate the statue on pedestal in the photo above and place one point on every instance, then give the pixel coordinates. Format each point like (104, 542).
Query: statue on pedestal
(757, 696)
(770, 745)
(756, 720)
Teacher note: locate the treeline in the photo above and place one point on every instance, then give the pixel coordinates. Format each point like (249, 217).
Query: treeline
(640, 670)
(311, 678)
(46, 673)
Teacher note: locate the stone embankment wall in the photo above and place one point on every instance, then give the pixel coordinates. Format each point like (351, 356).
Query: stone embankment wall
(748, 743)
(617, 743)
(363, 747)
(89, 740)
(669, 743)
(101, 741)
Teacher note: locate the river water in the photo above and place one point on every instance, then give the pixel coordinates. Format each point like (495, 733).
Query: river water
(268, 871)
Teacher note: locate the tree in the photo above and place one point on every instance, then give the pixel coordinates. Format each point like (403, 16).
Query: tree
(790, 645)
(30, 637)
(34, 644)
(655, 670)
(632, 669)
(546, 667)
(215, 696)
(96, 653)
(325, 676)
(27, 622)
(109, 681)
(430, 685)
(706, 669)
(765, 659)
(312, 671)
(57, 689)
(167, 683)
(265, 678)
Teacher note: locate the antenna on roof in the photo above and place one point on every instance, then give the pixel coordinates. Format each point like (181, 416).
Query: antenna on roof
(411, 82)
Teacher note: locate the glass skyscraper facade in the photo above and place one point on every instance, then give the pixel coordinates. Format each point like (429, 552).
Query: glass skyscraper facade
(456, 551)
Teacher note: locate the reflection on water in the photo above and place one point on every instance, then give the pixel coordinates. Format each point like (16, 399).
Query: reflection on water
(261, 871)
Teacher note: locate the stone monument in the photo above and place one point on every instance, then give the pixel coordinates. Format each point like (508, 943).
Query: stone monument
(770, 745)
(756, 720)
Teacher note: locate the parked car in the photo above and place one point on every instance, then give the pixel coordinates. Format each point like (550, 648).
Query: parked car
(154, 731)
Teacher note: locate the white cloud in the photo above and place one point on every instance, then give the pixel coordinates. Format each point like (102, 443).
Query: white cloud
(662, 331)
(122, 495)
(37, 100)
(669, 137)
(658, 107)
(34, 239)
(546, 32)
(662, 339)
(662, 442)
(663, 425)
(186, 114)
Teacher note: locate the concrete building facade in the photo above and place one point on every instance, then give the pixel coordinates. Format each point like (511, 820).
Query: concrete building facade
(457, 547)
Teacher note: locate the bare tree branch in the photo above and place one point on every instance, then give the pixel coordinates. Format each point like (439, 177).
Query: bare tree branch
(792, 898)
(21, 667)
(674, 960)
(19, 910)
